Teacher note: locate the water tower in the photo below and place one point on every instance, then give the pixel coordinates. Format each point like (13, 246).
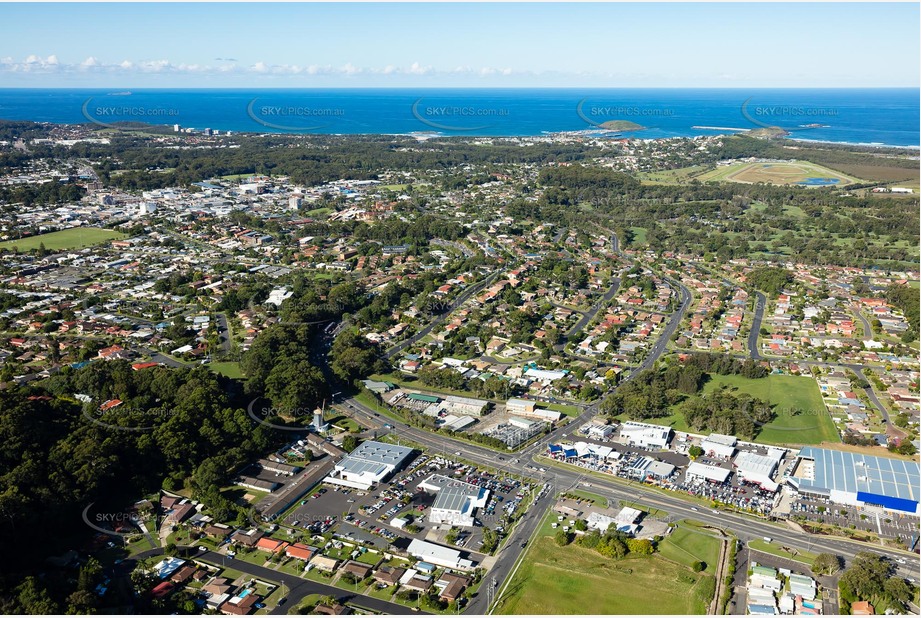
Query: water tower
(318, 424)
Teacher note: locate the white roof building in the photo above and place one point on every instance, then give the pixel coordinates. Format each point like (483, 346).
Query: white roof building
(755, 468)
(456, 423)
(438, 555)
(628, 515)
(456, 502)
(597, 431)
(464, 406)
(544, 376)
(624, 521)
(701, 471)
(596, 450)
(600, 521)
(519, 406)
(369, 464)
(278, 296)
(719, 445)
(644, 435)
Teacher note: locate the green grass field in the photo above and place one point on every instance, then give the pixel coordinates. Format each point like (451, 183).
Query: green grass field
(686, 546)
(779, 173)
(575, 580)
(639, 235)
(812, 425)
(73, 238)
(560, 407)
(587, 495)
(671, 177)
(227, 369)
(345, 422)
(787, 394)
(775, 549)
(318, 212)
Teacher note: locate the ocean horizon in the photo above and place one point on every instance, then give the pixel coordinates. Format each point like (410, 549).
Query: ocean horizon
(859, 116)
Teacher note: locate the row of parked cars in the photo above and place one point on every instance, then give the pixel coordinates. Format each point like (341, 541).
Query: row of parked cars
(370, 527)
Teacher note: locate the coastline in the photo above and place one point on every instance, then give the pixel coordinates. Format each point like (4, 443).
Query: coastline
(862, 144)
(542, 134)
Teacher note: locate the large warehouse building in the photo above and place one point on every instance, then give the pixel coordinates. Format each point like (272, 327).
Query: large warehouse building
(760, 469)
(704, 472)
(439, 555)
(644, 435)
(719, 445)
(859, 480)
(369, 464)
(456, 502)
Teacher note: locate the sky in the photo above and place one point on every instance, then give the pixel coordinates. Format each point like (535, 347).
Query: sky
(249, 45)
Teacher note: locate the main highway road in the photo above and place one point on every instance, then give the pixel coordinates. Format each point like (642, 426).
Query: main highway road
(562, 477)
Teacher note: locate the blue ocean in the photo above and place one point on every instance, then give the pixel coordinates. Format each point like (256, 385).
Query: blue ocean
(887, 117)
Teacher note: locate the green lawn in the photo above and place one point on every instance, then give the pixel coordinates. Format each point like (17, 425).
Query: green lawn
(686, 545)
(639, 235)
(560, 407)
(774, 549)
(309, 601)
(378, 593)
(674, 420)
(587, 495)
(671, 177)
(810, 425)
(801, 417)
(575, 580)
(346, 423)
(227, 369)
(73, 238)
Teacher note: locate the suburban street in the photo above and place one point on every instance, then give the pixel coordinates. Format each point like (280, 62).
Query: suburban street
(589, 315)
(562, 477)
(223, 332)
(461, 299)
(754, 333)
(296, 588)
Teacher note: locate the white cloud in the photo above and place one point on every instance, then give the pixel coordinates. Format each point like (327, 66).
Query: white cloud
(155, 66)
(418, 69)
(34, 63)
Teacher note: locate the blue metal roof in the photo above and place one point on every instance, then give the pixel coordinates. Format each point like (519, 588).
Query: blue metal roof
(879, 480)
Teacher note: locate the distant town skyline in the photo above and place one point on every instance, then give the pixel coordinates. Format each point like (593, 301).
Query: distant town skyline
(680, 45)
